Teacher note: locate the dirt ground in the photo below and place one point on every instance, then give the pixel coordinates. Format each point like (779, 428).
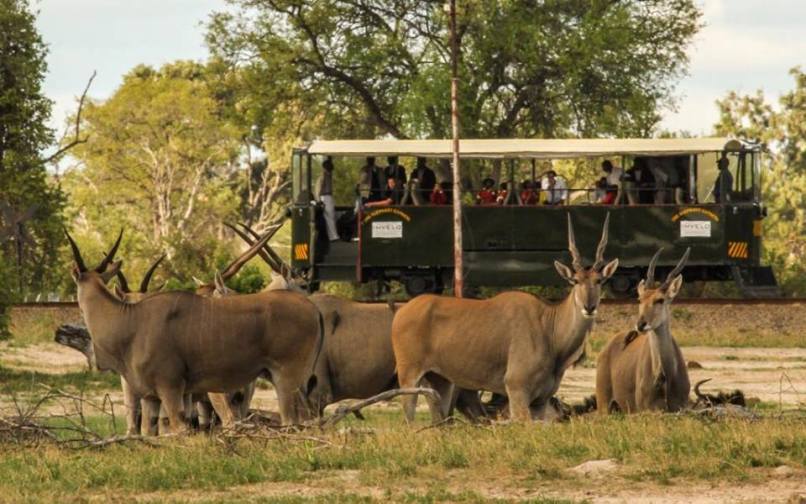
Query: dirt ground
(776, 375)
(606, 487)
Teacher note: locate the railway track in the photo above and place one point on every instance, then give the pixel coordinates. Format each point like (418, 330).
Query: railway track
(616, 302)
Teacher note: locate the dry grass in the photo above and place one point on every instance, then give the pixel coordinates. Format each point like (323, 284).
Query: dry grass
(400, 462)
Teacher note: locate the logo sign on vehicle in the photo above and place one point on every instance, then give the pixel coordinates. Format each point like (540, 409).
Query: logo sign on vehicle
(387, 229)
(695, 229)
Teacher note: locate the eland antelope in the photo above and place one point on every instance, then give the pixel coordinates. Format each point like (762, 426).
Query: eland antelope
(645, 369)
(514, 343)
(174, 343)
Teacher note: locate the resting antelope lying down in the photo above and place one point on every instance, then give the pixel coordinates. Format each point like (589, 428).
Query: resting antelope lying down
(514, 343)
(174, 343)
(645, 369)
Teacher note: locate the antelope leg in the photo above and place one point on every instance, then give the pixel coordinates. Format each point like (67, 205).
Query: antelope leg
(150, 418)
(223, 408)
(133, 410)
(173, 401)
(518, 403)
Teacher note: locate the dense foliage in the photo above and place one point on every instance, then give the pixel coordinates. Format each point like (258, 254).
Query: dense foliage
(30, 207)
(782, 129)
(548, 69)
(165, 163)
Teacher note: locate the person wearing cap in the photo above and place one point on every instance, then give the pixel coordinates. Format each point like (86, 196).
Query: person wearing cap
(324, 193)
(487, 194)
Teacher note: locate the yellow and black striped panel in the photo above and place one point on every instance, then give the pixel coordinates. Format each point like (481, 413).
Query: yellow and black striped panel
(301, 251)
(738, 250)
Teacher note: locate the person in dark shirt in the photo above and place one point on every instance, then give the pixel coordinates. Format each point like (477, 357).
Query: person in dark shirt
(426, 178)
(369, 179)
(395, 170)
(724, 181)
(641, 178)
(392, 196)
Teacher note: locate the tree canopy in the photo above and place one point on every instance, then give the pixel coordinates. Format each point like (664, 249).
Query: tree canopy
(364, 68)
(30, 206)
(164, 162)
(781, 129)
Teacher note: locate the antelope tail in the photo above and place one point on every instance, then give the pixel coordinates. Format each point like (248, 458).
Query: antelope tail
(312, 380)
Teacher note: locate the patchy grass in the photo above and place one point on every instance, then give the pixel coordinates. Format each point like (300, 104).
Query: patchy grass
(401, 462)
(31, 326)
(14, 381)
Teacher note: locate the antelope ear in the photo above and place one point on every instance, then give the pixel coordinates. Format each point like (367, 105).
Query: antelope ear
(609, 269)
(674, 287)
(111, 271)
(565, 272)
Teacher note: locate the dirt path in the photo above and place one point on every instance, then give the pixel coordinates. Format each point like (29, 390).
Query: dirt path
(770, 374)
(450, 485)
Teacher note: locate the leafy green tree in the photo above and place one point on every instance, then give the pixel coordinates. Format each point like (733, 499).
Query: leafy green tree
(161, 162)
(368, 67)
(30, 207)
(784, 183)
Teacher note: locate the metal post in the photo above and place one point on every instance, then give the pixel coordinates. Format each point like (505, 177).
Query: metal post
(458, 263)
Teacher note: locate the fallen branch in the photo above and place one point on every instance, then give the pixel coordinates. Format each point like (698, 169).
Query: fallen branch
(345, 410)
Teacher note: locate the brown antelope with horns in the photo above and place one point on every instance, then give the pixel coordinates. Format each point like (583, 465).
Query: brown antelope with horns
(514, 343)
(645, 369)
(173, 343)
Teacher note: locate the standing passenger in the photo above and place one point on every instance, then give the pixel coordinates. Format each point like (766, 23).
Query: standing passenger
(528, 193)
(426, 178)
(395, 170)
(440, 194)
(324, 191)
(369, 181)
(724, 181)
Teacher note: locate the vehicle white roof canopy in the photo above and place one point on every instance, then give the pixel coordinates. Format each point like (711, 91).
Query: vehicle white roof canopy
(526, 148)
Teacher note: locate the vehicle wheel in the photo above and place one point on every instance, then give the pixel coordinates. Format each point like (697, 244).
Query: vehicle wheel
(416, 285)
(622, 286)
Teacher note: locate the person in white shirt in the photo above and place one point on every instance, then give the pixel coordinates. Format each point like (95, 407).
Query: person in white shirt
(325, 195)
(554, 188)
(613, 173)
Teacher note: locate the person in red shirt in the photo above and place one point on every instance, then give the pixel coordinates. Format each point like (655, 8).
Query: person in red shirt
(503, 192)
(487, 194)
(439, 196)
(528, 193)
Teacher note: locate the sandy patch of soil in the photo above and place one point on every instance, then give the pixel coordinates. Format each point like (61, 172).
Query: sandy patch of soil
(51, 358)
(610, 490)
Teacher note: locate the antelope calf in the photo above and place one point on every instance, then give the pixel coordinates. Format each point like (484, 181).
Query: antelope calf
(174, 343)
(644, 369)
(514, 343)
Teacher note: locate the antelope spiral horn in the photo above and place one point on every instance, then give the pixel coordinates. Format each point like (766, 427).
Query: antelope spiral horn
(76, 253)
(111, 255)
(149, 274)
(677, 269)
(576, 260)
(650, 272)
(124, 285)
(600, 249)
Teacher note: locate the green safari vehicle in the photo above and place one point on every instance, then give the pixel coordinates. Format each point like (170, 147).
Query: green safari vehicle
(515, 243)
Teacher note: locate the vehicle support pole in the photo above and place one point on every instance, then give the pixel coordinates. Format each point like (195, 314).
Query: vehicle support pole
(458, 264)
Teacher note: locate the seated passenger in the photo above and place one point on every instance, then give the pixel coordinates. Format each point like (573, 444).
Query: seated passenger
(503, 192)
(528, 193)
(487, 194)
(554, 188)
(439, 196)
(392, 196)
(605, 195)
